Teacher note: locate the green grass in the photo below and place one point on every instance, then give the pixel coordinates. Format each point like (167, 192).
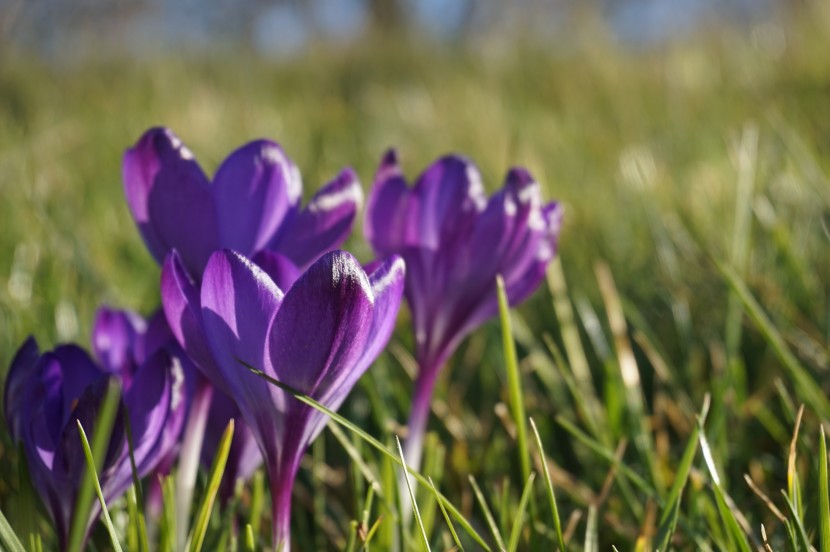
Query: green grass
(695, 263)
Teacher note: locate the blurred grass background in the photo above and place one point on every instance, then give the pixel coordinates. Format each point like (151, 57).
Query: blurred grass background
(645, 147)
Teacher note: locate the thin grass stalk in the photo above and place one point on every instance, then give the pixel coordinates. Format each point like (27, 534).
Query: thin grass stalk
(100, 441)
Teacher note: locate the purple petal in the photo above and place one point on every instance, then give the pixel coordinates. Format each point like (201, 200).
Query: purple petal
(279, 267)
(156, 336)
(156, 393)
(238, 302)
(169, 197)
(320, 331)
(254, 190)
(386, 225)
(16, 397)
(447, 199)
(325, 222)
(113, 337)
(387, 283)
(183, 311)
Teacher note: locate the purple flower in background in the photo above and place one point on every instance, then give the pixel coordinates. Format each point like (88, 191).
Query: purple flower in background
(46, 393)
(251, 206)
(318, 338)
(454, 242)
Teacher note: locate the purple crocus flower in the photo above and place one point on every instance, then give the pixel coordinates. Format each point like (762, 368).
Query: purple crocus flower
(251, 206)
(318, 338)
(455, 242)
(47, 392)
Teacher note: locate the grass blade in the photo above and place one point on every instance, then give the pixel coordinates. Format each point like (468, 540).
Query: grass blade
(668, 520)
(805, 384)
(800, 532)
(375, 444)
(446, 517)
(8, 538)
(412, 497)
(100, 441)
(554, 510)
(197, 535)
(90, 464)
(488, 515)
(591, 533)
(514, 383)
(735, 534)
(516, 532)
(824, 497)
(610, 457)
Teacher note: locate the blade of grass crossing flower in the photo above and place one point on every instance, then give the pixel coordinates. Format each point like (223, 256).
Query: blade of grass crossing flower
(257, 501)
(488, 515)
(446, 516)
(197, 534)
(824, 495)
(412, 497)
(8, 538)
(375, 444)
(514, 380)
(90, 464)
(804, 382)
(100, 440)
(734, 533)
(516, 532)
(554, 509)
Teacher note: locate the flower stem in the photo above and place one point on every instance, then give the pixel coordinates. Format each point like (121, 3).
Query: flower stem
(413, 448)
(189, 458)
(282, 484)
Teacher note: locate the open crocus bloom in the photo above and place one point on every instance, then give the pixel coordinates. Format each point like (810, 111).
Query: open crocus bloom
(46, 393)
(454, 242)
(317, 338)
(252, 205)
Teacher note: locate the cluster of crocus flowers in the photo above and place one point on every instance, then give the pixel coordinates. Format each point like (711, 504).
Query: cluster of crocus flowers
(455, 242)
(319, 337)
(47, 392)
(250, 280)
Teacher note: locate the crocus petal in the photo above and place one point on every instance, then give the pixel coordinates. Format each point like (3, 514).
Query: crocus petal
(254, 190)
(16, 397)
(183, 310)
(156, 392)
(238, 302)
(325, 222)
(320, 331)
(279, 267)
(162, 182)
(387, 283)
(113, 335)
(447, 199)
(386, 225)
